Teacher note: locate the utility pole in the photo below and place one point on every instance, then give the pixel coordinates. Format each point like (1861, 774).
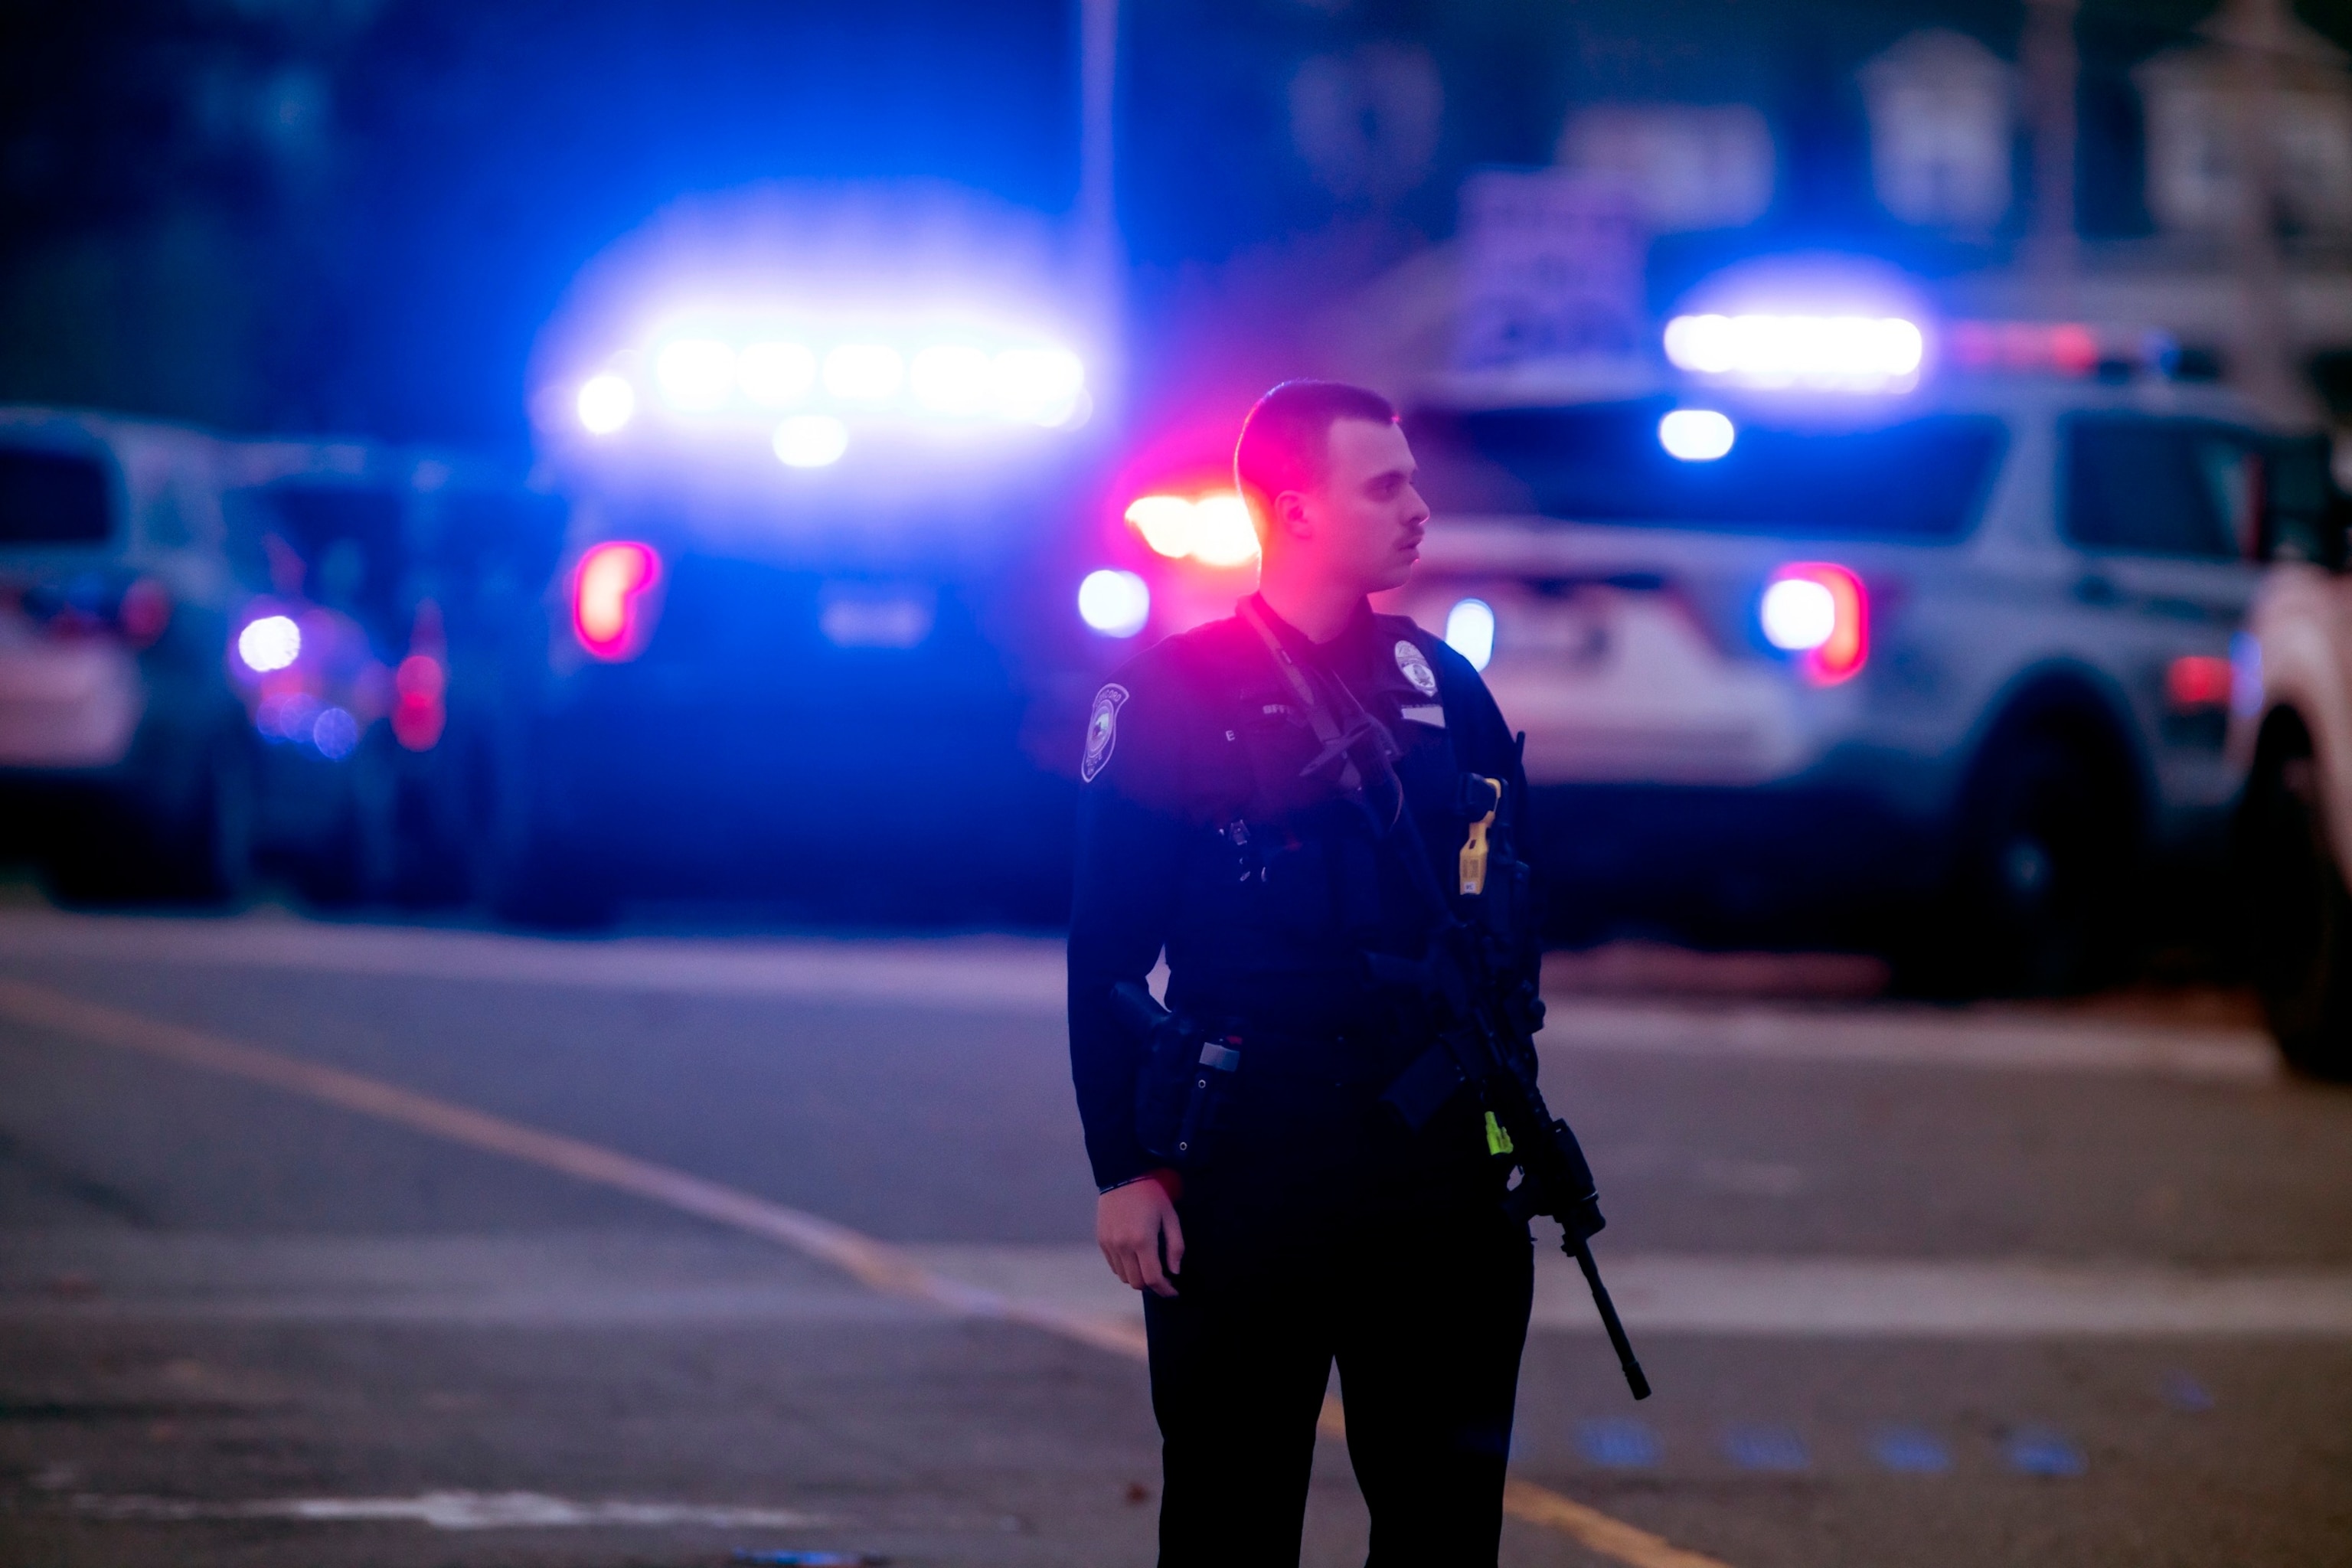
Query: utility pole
(2253, 35)
(1102, 255)
(2051, 65)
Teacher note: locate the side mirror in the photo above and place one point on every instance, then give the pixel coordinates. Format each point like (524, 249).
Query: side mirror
(2304, 515)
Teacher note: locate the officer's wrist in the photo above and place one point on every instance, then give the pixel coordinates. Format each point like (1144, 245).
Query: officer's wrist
(1171, 1183)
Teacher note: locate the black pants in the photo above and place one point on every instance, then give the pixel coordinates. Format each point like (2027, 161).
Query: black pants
(1424, 1309)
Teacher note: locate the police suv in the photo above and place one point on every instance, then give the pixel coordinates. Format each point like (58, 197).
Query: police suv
(2291, 726)
(817, 577)
(1825, 640)
(217, 653)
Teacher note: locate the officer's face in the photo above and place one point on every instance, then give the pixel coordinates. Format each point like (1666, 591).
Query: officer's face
(1365, 519)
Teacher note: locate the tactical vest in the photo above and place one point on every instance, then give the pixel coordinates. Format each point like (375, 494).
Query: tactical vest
(1288, 867)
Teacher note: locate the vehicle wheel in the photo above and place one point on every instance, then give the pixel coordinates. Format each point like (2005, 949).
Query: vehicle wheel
(209, 853)
(2301, 914)
(2046, 865)
(528, 875)
(355, 862)
(436, 827)
(184, 841)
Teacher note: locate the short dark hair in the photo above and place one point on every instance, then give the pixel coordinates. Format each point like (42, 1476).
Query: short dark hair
(1285, 442)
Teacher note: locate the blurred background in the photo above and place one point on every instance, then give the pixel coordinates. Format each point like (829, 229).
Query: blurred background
(638, 426)
(555, 557)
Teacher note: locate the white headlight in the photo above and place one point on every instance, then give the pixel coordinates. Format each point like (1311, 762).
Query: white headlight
(1470, 631)
(1696, 434)
(1116, 604)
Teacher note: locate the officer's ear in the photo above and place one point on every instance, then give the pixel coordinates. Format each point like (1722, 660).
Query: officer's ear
(1290, 515)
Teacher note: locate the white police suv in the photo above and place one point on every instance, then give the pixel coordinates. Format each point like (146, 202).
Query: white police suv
(1819, 643)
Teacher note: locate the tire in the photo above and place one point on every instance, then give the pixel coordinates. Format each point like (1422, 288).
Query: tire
(185, 840)
(2047, 863)
(2299, 910)
(355, 861)
(527, 874)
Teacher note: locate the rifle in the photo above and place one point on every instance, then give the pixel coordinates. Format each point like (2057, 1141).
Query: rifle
(1485, 1028)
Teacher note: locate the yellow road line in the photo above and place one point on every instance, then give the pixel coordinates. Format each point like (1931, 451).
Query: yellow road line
(875, 1264)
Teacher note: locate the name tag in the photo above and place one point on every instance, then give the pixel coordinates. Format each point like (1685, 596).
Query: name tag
(1431, 715)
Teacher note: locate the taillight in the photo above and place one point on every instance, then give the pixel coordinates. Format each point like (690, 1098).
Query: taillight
(145, 611)
(1819, 612)
(418, 710)
(2196, 682)
(609, 611)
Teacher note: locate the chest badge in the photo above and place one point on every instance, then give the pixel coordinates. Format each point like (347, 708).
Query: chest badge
(1102, 730)
(1416, 669)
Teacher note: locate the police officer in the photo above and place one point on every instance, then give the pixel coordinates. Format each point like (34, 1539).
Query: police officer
(1308, 1224)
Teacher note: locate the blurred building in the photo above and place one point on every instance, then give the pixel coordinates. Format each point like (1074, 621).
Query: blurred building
(361, 212)
(2152, 175)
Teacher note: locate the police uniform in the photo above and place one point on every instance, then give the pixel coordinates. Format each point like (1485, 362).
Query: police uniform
(1317, 1228)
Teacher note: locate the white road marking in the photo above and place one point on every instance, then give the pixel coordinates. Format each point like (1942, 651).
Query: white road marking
(1025, 977)
(593, 1278)
(880, 1266)
(461, 1511)
(2004, 1037)
(1810, 1297)
(979, 974)
(601, 1279)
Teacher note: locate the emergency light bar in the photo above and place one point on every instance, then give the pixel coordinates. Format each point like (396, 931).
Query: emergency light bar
(1828, 354)
(704, 377)
(1213, 530)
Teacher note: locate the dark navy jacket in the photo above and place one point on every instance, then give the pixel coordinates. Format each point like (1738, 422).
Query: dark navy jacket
(1196, 832)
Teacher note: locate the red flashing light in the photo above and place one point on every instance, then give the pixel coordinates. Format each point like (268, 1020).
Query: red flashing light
(2057, 348)
(2198, 682)
(418, 711)
(609, 614)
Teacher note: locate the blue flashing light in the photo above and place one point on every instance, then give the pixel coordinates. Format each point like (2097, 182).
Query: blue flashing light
(335, 732)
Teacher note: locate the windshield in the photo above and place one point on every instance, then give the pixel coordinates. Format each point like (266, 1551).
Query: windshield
(1921, 479)
(52, 497)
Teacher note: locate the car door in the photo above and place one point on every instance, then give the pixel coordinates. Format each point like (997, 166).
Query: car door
(2167, 515)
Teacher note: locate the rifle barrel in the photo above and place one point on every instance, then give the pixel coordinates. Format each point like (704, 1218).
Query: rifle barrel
(1581, 1250)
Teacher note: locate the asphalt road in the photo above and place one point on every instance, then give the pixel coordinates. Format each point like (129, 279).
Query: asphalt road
(1916, 1287)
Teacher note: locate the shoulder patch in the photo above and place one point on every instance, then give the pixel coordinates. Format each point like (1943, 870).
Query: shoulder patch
(1415, 666)
(1102, 730)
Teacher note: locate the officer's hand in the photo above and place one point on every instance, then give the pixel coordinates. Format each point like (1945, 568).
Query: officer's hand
(1130, 1222)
